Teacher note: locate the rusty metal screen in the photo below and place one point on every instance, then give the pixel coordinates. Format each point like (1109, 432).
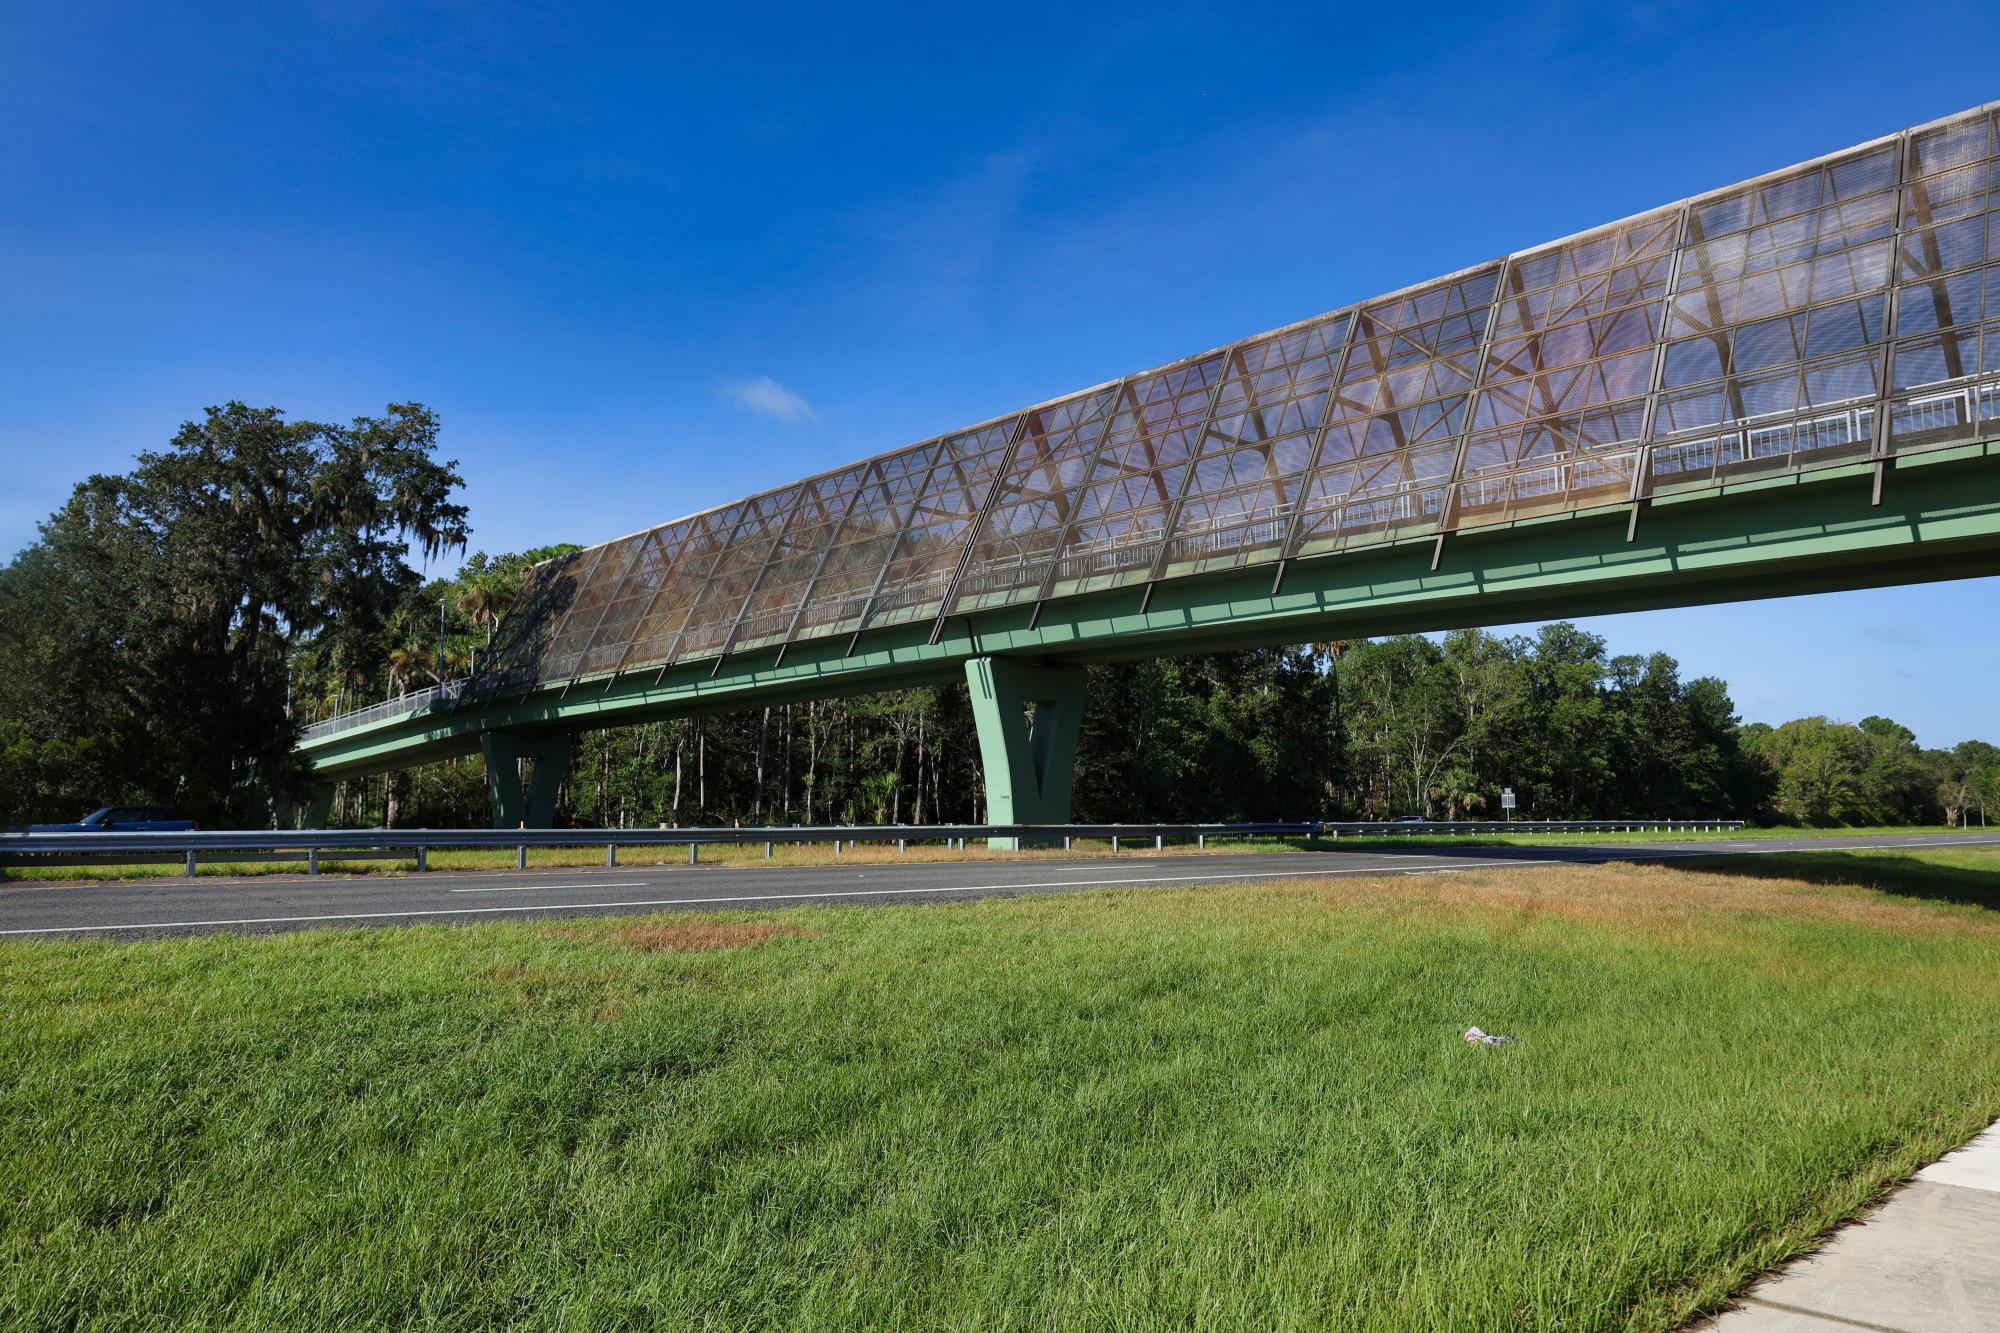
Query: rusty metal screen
(1843, 310)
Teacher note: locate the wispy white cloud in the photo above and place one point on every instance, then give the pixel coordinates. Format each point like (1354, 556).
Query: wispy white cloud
(768, 398)
(1896, 633)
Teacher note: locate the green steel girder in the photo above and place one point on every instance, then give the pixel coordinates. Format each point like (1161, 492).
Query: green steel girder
(1812, 532)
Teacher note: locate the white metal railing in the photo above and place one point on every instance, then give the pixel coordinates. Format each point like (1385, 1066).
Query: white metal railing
(1765, 439)
(1945, 405)
(1561, 476)
(401, 706)
(895, 597)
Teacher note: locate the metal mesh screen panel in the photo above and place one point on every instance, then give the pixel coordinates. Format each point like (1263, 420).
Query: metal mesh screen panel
(1842, 310)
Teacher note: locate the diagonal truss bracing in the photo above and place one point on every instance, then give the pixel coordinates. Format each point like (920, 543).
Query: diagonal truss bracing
(1836, 312)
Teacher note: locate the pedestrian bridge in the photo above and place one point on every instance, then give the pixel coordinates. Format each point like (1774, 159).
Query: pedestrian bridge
(1788, 385)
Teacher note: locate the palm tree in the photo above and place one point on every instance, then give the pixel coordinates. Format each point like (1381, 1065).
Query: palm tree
(401, 662)
(485, 604)
(1333, 651)
(1458, 788)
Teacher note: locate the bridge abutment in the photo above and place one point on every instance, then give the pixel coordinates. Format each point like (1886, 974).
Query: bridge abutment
(516, 804)
(1029, 761)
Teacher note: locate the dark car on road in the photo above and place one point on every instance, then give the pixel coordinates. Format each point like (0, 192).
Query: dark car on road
(125, 819)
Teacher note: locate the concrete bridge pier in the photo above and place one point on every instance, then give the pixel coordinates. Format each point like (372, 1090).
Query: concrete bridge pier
(1029, 758)
(533, 804)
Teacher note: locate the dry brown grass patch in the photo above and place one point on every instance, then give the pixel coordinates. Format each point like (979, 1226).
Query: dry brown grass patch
(701, 938)
(1656, 897)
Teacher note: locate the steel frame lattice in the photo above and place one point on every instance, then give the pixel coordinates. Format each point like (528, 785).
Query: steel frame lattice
(1842, 310)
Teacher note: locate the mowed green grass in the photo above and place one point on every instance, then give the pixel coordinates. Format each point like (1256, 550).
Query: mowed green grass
(1232, 1108)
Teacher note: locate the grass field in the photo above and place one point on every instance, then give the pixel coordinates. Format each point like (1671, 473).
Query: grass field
(1233, 1108)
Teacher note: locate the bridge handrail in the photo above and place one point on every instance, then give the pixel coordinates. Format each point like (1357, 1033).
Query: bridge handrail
(400, 706)
(51, 848)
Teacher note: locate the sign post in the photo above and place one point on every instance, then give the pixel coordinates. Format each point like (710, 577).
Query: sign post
(1507, 801)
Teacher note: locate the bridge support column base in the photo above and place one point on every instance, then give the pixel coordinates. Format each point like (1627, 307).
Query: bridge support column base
(1030, 763)
(514, 803)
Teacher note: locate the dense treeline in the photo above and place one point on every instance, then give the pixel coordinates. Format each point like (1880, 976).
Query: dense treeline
(148, 637)
(172, 629)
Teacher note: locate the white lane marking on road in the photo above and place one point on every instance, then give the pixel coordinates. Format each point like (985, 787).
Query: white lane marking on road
(1075, 883)
(1609, 851)
(710, 902)
(522, 888)
(1617, 853)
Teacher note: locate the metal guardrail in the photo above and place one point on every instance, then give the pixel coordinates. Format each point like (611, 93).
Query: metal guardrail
(1473, 827)
(189, 848)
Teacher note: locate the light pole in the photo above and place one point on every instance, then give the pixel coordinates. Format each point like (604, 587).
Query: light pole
(440, 670)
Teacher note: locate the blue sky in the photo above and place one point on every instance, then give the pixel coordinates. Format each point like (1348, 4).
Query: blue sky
(644, 259)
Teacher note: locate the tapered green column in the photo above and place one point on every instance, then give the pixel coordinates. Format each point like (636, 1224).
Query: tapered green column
(1030, 763)
(535, 805)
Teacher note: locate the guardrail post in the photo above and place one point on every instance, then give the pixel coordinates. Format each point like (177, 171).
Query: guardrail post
(1156, 842)
(767, 849)
(423, 859)
(1114, 844)
(1201, 842)
(611, 855)
(694, 853)
(836, 847)
(1066, 842)
(312, 860)
(520, 858)
(901, 849)
(190, 865)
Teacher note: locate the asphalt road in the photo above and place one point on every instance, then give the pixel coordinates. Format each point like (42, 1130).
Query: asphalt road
(274, 903)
